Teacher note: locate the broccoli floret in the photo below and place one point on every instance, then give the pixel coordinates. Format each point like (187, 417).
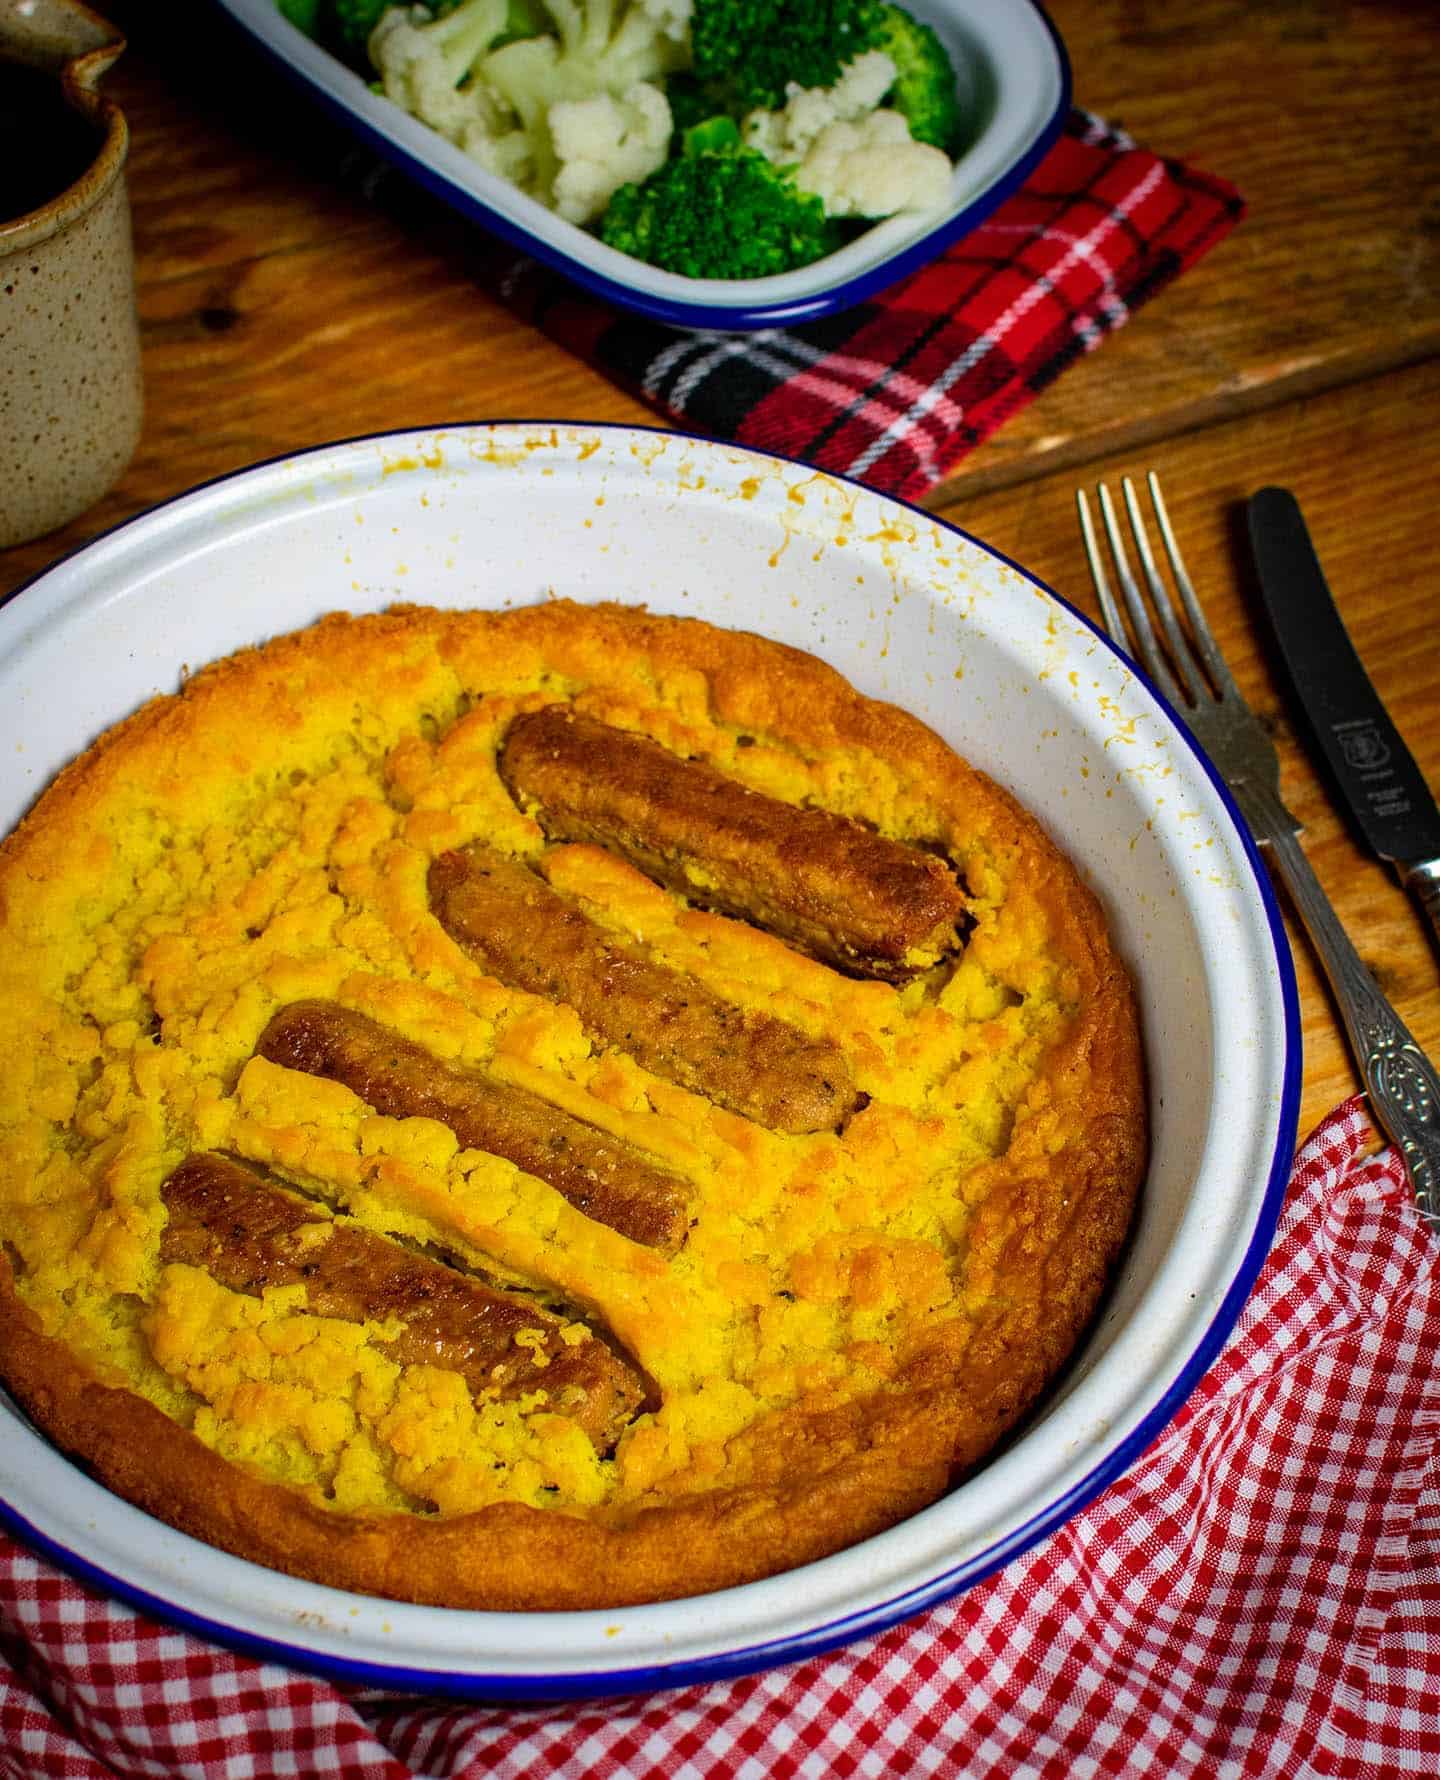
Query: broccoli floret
(303, 14)
(749, 53)
(523, 18)
(730, 214)
(711, 136)
(755, 48)
(692, 101)
(924, 92)
(350, 22)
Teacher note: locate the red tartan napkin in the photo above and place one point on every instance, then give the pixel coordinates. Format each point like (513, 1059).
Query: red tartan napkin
(1259, 1596)
(898, 389)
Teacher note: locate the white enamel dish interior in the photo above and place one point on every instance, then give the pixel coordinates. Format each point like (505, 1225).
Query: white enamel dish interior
(909, 610)
(1014, 82)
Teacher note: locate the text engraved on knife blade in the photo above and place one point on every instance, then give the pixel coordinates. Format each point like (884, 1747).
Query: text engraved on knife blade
(1367, 752)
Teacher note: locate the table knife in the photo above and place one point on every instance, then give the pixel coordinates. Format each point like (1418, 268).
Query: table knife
(1373, 772)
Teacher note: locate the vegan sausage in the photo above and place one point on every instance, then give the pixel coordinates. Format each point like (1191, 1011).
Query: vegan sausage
(521, 930)
(825, 884)
(604, 1178)
(248, 1233)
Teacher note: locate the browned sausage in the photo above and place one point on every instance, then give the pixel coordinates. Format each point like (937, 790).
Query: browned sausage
(529, 936)
(248, 1233)
(824, 884)
(601, 1176)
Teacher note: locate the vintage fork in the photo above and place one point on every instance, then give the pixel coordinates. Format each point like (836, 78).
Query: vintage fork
(1187, 666)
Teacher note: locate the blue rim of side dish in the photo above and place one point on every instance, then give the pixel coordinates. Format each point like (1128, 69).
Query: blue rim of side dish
(505, 1689)
(740, 317)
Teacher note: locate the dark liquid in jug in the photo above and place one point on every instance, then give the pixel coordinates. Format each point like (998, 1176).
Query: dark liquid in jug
(44, 145)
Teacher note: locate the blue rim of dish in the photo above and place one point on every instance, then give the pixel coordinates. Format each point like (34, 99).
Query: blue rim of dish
(748, 1659)
(721, 318)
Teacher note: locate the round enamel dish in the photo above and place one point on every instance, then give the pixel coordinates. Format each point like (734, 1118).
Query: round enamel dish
(910, 610)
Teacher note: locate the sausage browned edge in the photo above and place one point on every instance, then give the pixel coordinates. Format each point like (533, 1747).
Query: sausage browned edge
(520, 930)
(601, 1176)
(824, 883)
(248, 1233)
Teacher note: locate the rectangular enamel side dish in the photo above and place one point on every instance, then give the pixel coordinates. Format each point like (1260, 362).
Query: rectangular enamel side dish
(1015, 88)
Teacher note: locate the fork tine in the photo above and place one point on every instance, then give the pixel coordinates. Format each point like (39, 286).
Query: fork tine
(1140, 626)
(1180, 653)
(1109, 611)
(1204, 637)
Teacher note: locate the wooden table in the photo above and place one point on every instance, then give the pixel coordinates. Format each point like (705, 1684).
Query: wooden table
(282, 307)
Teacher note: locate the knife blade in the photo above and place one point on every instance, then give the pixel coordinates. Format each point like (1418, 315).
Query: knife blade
(1372, 770)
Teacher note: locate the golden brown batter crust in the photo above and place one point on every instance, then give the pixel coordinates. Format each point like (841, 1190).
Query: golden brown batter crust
(855, 1316)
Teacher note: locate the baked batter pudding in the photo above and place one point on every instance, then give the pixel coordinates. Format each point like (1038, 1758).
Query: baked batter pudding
(545, 1109)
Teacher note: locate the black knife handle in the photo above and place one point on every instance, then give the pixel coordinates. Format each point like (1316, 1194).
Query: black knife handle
(1366, 754)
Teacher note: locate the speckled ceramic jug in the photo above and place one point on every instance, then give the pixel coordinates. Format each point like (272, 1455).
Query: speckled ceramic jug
(70, 395)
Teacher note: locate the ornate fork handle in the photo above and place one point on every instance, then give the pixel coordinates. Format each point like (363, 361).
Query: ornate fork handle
(1402, 1083)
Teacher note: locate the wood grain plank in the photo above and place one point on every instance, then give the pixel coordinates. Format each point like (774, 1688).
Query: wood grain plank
(1326, 115)
(1361, 462)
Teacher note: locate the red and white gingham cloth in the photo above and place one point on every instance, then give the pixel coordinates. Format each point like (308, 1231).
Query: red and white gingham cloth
(1259, 1596)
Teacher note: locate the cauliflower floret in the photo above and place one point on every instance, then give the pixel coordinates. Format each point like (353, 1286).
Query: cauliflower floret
(501, 148)
(859, 160)
(672, 16)
(873, 168)
(603, 143)
(598, 46)
(593, 55)
(787, 135)
(497, 104)
(421, 68)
